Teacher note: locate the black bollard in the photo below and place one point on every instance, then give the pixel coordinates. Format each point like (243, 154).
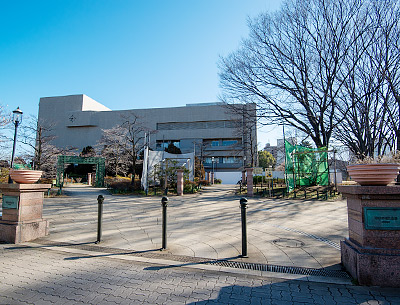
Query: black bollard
(164, 203)
(272, 187)
(243, 207)
(100, 200)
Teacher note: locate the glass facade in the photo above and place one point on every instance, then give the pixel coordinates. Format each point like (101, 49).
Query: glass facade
(161, 145)
(223, 160)
(229, 142)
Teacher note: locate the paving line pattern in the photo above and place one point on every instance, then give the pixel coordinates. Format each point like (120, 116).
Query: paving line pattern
(324, 240)
(40, 277)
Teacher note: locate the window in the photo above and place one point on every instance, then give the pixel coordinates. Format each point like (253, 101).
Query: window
(215, 143)
(161, 145)
(208, 160)
(229, 142)
(198, 125)
(232, 160)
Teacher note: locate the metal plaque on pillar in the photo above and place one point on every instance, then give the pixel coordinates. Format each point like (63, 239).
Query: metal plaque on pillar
(382, 218)
(10, 202)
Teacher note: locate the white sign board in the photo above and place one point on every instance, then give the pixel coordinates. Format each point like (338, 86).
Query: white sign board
(268, 173)
(257, 170)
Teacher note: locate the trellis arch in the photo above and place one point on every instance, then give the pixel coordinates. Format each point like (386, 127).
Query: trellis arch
(98, 161)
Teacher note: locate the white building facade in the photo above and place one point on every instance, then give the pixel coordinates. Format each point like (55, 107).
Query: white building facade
(215, 133)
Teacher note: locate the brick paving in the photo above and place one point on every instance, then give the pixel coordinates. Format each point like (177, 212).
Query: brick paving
(284, 232)
(302, 233)
(32, 275)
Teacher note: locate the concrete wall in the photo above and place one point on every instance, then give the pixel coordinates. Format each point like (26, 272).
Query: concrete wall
(79, 121)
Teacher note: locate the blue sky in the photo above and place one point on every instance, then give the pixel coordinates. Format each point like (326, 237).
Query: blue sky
(124, 54)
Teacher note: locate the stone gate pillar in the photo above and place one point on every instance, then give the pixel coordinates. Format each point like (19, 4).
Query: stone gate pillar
(22, 212)
(371, 254)
(179, 184)
(249, 172)
(243, 177)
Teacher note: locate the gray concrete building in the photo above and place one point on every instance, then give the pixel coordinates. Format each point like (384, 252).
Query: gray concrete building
(216, 134)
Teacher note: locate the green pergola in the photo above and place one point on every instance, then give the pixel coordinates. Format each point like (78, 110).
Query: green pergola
(98, 161)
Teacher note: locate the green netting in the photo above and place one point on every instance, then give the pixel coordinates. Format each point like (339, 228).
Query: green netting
(100, 167)
(306, 166)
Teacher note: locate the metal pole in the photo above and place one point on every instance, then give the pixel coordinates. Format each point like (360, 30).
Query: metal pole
(13, 151)
(147, 141)
(334, 160)
(164, 203)
(100, 200)
(212, 180)
(166, 178)
(243, 207)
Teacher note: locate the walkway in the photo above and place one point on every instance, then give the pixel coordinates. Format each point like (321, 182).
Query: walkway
(202, 263)
(281, 232)
(40, 277)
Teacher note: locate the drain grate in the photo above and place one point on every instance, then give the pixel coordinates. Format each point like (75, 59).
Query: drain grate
(288, 243)
(282, 269)
(198, 260)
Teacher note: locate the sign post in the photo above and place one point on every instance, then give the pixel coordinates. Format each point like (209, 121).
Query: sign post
(268, 176)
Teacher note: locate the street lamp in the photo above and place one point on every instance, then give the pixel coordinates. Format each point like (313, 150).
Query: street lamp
(17, 119)
(166, 176)
(212, 161)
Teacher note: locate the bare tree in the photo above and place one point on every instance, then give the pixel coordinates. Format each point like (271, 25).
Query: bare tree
(112, 148)
(368, 108)
(4, 116)
(387, 60)
(362, 114)
(37, 136)
(134, 136)
(244, 120)
(295, 63)
(121, 145)
(4, 121)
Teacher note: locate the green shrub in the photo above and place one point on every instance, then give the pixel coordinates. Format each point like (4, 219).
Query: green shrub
(204, 182)
(188, 186)
(122, 185)
(4, 174)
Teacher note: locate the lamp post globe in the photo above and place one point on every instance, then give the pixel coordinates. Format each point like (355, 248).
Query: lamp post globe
(17, 116)
(17, 119)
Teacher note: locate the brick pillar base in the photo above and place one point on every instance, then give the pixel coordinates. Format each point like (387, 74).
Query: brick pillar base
(371, 254)
(22, 212)
(179, 182)
(249, 172)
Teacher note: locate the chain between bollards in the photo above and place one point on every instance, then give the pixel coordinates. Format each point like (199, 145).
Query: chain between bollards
(243, 207)
(164, 203)
(100, 200)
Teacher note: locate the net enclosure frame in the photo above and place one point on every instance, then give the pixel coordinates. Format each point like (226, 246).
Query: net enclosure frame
(98, 161)
(306, 166)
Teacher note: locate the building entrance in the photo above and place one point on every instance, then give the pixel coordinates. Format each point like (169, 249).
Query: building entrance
(98, 161)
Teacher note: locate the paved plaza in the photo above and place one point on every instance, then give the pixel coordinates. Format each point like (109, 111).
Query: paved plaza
(202, 263)
(282, 232)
